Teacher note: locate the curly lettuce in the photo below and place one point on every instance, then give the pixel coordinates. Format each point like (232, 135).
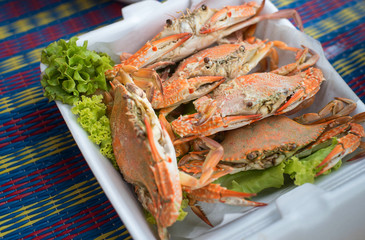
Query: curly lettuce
(73, 71)
(92, 117)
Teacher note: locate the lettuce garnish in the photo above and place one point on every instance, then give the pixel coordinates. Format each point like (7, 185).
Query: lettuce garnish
(300, 171)
(73, 71)
(92, 117)
(254, 181)
(304, 170)
(182, 213)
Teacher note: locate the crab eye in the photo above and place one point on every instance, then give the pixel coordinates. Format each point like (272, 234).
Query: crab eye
(242, 48)
(206, 60)
(252, 155)
(292, 146)
(249, 104)
(204, 7)
(168, 22)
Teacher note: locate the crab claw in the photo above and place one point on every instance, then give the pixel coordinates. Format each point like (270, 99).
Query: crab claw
(152, 51)
(184, 90)
(206, 108)
(313, 77)
(346, 145)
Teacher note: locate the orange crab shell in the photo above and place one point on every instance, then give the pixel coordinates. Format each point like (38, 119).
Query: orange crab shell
(156, 180)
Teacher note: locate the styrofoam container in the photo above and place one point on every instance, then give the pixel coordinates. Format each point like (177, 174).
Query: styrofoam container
(332, 208)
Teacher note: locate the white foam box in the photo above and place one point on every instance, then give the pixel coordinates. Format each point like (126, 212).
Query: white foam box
(331, 208)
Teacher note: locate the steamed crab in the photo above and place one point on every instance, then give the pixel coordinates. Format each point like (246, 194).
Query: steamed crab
(268, 142)
(192, 32)
(252, 97)
(146, 156)
(202, 72)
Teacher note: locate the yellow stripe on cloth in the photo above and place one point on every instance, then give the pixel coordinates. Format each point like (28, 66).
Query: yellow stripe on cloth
(354, 62)
(107, 235)
(334, 22)
(20, 61)
(21, 99)
(282, 3)
(29, 212)
(53, 145)
(44, 18)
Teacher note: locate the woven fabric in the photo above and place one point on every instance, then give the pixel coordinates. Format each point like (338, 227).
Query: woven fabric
(47, 190)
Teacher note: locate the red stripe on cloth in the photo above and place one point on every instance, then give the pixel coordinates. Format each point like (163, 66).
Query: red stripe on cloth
(313, 9)
(65, 173)
(14, 83)
(21, 138)
(14, 9)
(89, 213)
(67, 163)
(93, 225)
(355, 80)
(54, 32)
(93, 220)
(17, 77)
(43, 124)
(17, 126)
(347, 39)
(360, 95)
(361, 86)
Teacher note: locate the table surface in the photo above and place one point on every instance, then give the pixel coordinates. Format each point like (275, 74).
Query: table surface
(46, 187)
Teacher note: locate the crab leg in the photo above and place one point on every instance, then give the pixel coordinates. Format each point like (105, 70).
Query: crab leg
(180, 149)
(336, 108)
(224, 17)
(213, 193)
(346, 144)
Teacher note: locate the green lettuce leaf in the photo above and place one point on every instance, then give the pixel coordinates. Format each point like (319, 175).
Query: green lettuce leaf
(92, 117)
(300, 171)
(73, 71)
(254, 181)
(304, 170)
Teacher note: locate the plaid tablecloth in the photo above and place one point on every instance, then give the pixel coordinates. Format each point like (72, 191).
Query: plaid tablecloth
(46, 188)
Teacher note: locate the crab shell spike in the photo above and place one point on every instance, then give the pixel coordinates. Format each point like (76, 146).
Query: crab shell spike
(229, 16)
(200, 213)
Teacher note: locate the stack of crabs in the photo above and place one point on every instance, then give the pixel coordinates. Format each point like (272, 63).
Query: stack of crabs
(204, 60)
